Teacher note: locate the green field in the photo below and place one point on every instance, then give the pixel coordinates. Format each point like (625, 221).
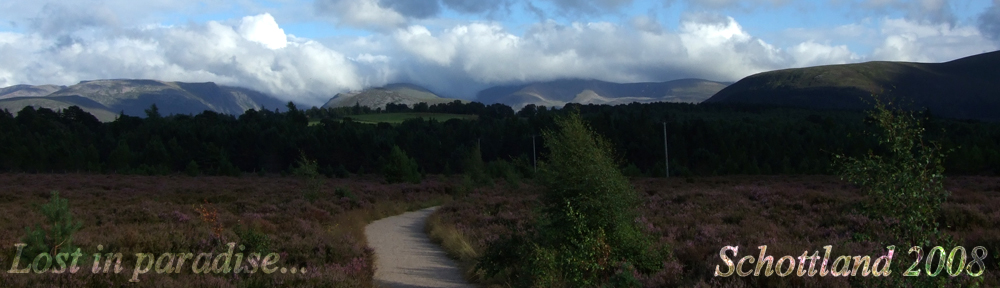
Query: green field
(396, 118)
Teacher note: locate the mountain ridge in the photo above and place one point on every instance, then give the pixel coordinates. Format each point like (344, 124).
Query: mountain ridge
(589, 91)
(132, 97)
(965, 88)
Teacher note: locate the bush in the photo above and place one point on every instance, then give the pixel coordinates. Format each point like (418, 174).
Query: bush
(504, 170)
(586, 232)
(307, 169)
(632, 171)
(475, 168)
(57, 235)
(400, 168)
(253, 240)
(346, 193)
(907, 182)
(341, 172)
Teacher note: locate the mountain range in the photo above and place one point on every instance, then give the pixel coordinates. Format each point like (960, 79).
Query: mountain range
(558, 93)
(106, 98)
(966, 88)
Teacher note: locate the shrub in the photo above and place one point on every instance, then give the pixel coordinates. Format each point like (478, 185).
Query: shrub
(587, 227)
(400, 168)
(341, 172)
(346, 193)
(632, 171)
(505, 170)
(57, 235)
(475, 168)
(253, 240)
(907, 182)
(308, 170)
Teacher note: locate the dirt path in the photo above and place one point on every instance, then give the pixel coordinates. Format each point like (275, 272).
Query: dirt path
(406, 257)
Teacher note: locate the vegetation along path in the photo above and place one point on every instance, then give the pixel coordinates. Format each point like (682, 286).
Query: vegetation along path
(406, 257)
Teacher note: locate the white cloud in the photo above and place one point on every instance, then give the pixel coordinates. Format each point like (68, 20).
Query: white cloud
(717, 48)
(419, 41)
(262, 29)
(907, 40)
(453, 56)
(246, 54)
(812, 54)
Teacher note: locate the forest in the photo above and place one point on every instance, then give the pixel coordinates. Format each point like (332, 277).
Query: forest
(704, 140)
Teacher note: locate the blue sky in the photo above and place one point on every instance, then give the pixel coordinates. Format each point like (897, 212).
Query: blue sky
(309, 50)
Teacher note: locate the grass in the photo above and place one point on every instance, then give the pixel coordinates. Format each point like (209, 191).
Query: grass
(697, 218)
(177, 214)
(396, 118)
(453, 242)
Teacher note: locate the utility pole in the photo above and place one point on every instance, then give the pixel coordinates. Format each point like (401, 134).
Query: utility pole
(534, 159)
(666, 157)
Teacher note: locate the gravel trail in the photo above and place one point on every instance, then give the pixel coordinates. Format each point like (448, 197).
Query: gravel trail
(406, 257)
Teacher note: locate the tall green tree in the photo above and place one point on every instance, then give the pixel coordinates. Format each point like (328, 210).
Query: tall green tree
(398, 167)
(120, 159)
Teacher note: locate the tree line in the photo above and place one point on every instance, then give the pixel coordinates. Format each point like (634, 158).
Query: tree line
(703, 140)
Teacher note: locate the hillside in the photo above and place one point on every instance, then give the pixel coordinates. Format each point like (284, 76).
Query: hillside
(378, 97)
(133, 97)
(558, 93)
(58, 103)
(28, 91)
(966, 88)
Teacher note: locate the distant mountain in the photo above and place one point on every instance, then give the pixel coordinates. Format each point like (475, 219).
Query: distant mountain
(28, 91)
(560, 92)
(378, 97)
(109, 97)
(967, 88)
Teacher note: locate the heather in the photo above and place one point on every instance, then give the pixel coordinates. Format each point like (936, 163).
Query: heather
(320, 231)
(696, 217)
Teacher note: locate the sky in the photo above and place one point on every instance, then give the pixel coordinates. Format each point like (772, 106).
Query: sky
(307, 51)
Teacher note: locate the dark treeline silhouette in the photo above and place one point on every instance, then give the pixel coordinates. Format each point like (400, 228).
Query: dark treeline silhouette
(703, 139)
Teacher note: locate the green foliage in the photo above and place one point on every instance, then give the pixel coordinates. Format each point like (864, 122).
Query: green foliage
(400, 168)
(504, 170)
(226, 168)
(704, 140)
(121, 158)
(906, 182)
(308, 170)
(475, 168)
(305, 167)
(341, 172)
(192, 169)
(631, 171)
(56, 236)
(523, 166)
(342, 192)
(587, 226)
(253, 239)
(396, 118)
